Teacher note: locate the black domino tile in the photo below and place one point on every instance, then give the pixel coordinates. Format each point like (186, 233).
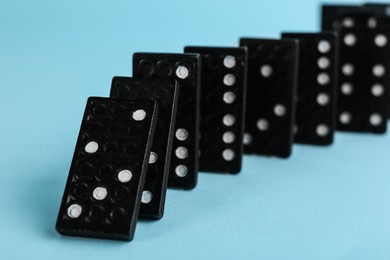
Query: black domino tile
(368, 16)
(382, 11)
(105, 184)
(165, 93)
(223, 89)
(330, 16)
(363, 97)
(185, 68)
(272, 79)
(315, 119)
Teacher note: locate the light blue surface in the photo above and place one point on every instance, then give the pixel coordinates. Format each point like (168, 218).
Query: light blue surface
(323, 203)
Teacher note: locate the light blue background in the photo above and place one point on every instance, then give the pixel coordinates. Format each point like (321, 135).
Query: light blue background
(323, 203)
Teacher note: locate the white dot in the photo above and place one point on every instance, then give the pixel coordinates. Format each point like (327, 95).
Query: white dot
(228, 137)
(377, 90)
(322, 130)
(182, 72)
(229, 97)
(324, 46)
(350, 39)
(323, 99)
(371, 23)
(345, 118)
(181, 152)
(380, 40)
(181, 134)
(348, 22)
(266, 71)
(378, 70)
(139, 115)
(375, 119)
(347, 88)
(262, 124)
(247, 139)
(229, 80)
(147, 197)
(280, 110)
(152, 157)
(125, 176)
(74, 211)
(229, 62)
(323, 63)
(347, 69)
(323, 78)
(181, 171)
(228, 154)
(229, 120)
(100, 193)
(91, 147)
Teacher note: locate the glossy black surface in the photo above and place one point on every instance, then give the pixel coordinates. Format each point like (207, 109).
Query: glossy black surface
(165, 93)
(362, 105)
(270, 99)
(315, 119)
(168, 66)
(123, 144)
(221, 147)
(369, 17)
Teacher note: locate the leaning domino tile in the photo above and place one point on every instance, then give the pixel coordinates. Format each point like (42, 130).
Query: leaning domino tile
(165, 93)
(104, 188)
(223, 87)
(185, 68)
(315, 118)
(272, 78)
